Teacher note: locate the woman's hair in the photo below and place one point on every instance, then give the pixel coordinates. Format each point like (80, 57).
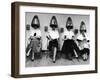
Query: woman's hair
(53, 22)
(35, 22)
(81, 25)
(69, 23)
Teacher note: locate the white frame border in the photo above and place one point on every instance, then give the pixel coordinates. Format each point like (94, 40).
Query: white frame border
(53, 69)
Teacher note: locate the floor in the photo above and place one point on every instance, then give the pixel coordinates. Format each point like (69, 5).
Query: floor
(46, 60)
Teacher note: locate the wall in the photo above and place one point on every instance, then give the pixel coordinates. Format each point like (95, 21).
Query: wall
(5, 40)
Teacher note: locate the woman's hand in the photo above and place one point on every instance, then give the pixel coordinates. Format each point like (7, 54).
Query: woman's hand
(49, 38)
(85, 40)
(65, 38)
(31, 38)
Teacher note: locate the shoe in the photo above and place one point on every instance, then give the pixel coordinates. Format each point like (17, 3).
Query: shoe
(32, 59)
(54, 61)
(77, 58)
(84, 59)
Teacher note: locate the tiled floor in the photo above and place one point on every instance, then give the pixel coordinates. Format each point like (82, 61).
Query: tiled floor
(46, 60)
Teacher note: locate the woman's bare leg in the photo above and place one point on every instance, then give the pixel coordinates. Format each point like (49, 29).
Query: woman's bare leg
(28, 53)
(28, 49)
(32, 55)
(54, 54)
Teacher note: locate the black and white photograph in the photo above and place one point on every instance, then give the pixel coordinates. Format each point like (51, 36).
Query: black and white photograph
(51, 39)
(57, 39)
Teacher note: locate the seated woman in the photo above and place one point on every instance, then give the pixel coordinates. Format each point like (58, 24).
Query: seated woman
(69, 46)
(53, 36)
(35, 38)
(83, 42)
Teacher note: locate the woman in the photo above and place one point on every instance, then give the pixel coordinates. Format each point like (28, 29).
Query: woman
(83, 42)
(35, 38)
(53, 36)
(69, 45)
